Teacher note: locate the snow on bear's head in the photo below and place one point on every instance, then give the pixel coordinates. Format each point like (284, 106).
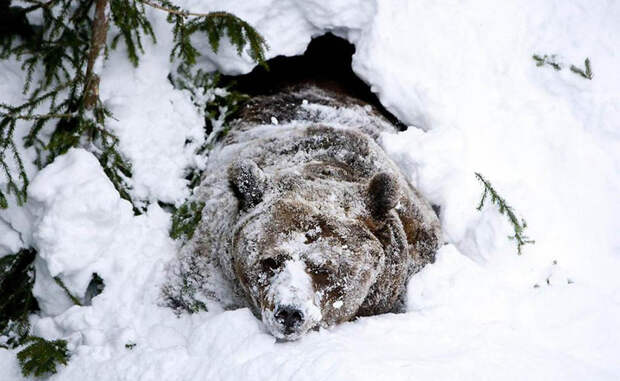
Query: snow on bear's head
(301, 260)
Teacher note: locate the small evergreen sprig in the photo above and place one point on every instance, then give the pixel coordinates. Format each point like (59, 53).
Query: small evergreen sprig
(185, 220)
(547, 60)
(504, 208)
(587, 73)
(40, 357)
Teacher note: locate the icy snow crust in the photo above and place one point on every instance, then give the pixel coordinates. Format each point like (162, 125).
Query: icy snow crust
(311, 238)
(547, 140)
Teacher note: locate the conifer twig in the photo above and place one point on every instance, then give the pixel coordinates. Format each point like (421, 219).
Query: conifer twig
(547, 60)
(587, 73)
(504, 208)
(73, 298)
(43, 116)
(185, 13)
(213, 24)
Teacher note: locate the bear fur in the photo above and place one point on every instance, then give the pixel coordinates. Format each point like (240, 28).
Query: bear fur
(306, 221)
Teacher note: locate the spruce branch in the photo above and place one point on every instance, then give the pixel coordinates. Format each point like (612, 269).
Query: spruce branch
(16, 183)
(213, 24)
(65, 50)
(40, 4)
(518, 225)
(59, 59)
(129, 16)
(40, 357)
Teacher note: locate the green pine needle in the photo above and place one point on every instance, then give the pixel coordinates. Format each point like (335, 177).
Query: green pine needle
(518, 225)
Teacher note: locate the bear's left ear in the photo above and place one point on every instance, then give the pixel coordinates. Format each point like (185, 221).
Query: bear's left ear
(248, 182)
(382, 194)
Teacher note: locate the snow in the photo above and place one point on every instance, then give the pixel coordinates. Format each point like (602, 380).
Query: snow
(153, 121)
(462, 72)
(11, 242)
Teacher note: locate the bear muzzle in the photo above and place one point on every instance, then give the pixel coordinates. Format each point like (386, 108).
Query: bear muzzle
(287, 322)
(291, 307)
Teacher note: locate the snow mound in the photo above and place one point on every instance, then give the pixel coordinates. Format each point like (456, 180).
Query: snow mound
(77, 214)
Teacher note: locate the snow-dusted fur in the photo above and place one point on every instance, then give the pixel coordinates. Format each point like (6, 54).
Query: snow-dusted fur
(307, 221)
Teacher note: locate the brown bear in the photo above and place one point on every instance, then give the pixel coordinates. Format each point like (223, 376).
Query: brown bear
(306, 221)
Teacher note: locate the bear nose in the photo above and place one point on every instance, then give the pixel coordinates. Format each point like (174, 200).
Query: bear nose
(289, 317)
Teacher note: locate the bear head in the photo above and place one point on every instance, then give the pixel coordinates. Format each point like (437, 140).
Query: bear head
(304, 256)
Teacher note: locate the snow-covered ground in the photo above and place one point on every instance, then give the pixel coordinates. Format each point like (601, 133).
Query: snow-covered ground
(461, 71)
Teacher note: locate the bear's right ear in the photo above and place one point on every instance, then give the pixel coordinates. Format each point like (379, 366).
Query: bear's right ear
(382, 194)
(248, 182)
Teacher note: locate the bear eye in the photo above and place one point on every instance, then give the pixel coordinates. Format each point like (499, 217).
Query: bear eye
(320, 276)
(311, 237)
(269, 264)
